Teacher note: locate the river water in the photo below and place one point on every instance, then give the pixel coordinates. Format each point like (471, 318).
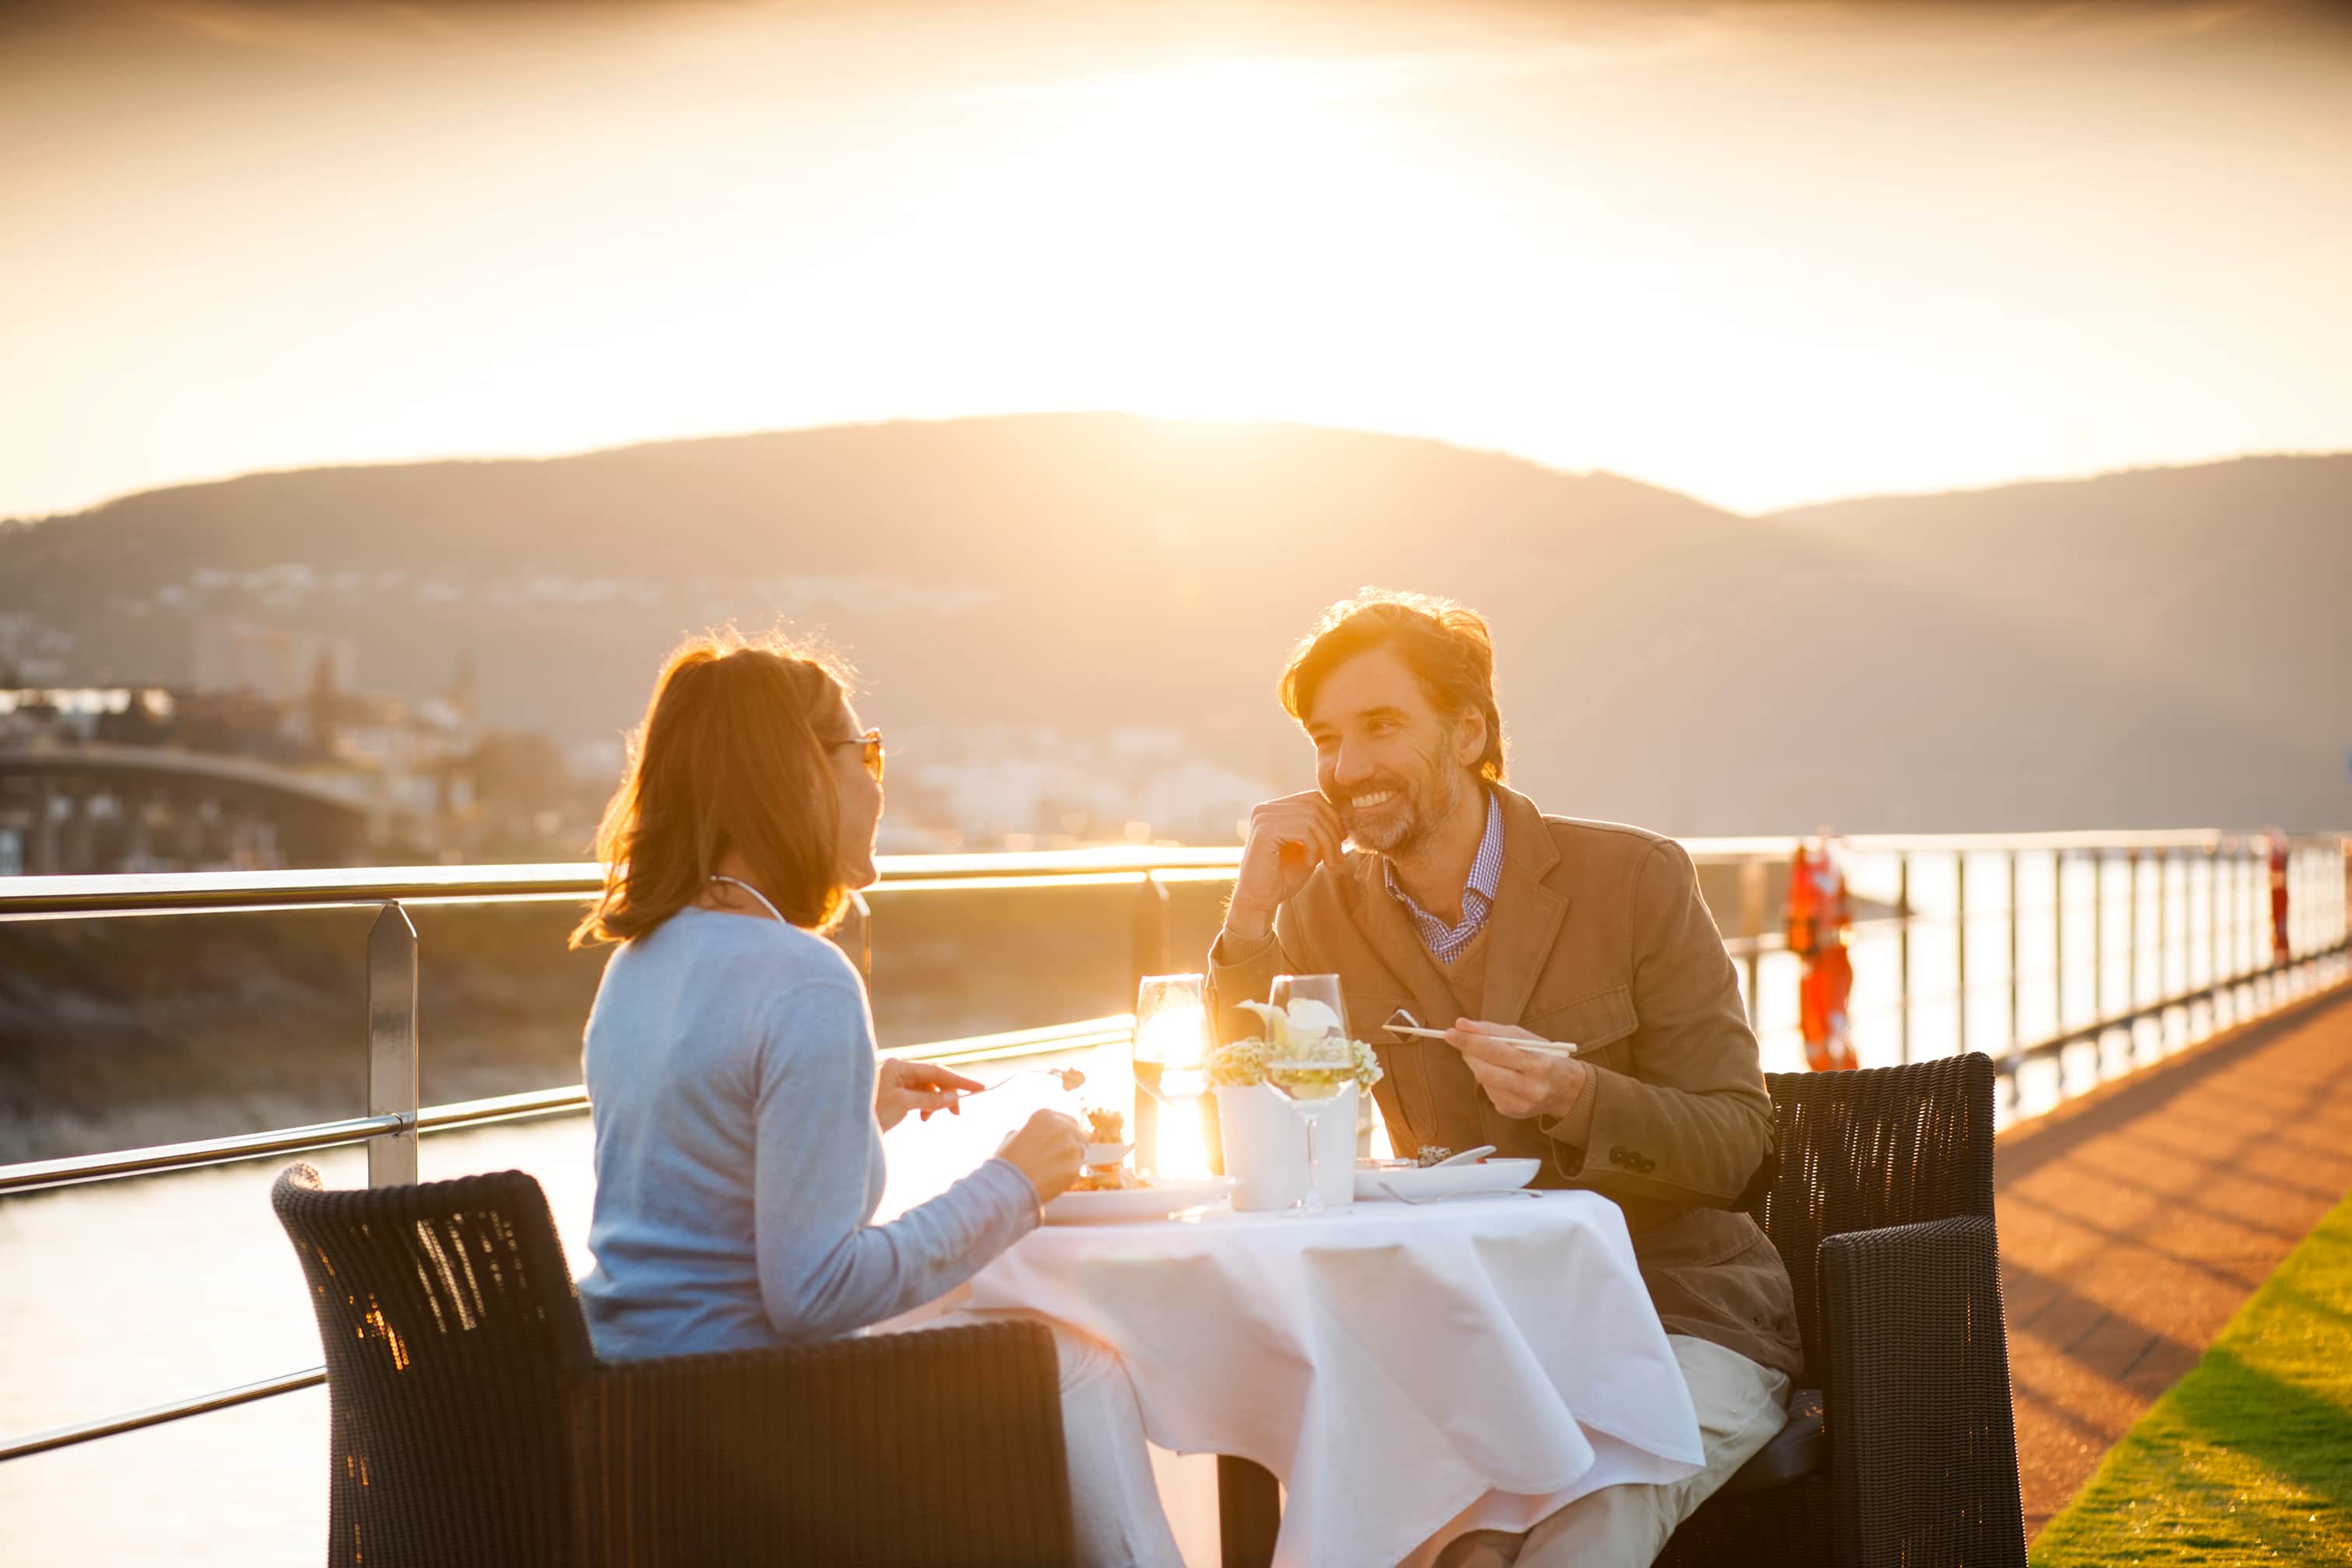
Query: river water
(127, 1294)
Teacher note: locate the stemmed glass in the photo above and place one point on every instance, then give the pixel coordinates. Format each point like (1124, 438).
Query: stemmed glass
(1319, 1065)
(1169, 1057)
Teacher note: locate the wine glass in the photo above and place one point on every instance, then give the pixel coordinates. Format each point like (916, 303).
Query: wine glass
(1171, 1060)
(1319, 1063)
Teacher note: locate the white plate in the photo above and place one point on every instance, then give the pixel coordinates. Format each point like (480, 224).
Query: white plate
(1486, 1176)
(1138, 1202)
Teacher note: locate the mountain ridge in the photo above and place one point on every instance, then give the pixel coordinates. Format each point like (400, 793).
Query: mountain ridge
(1662, 659)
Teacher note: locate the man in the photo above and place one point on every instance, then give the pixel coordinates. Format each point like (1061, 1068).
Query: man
(1463, 902)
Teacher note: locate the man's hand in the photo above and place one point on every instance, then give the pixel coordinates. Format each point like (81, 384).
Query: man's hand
(901, 1087)
(1287, 839)
(1521, 1083)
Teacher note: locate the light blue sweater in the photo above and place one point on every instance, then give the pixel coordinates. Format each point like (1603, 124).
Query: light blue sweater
(731, 1066)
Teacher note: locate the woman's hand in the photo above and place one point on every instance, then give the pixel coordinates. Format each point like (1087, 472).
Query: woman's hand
(1048, 1150)
(1521, 1083)
(901, 1087)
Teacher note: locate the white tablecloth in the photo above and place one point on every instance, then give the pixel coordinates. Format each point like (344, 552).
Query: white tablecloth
(1404, 1370)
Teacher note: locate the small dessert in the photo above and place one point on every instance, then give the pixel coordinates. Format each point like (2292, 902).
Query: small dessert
(1433, 1155)
(1106, 1136)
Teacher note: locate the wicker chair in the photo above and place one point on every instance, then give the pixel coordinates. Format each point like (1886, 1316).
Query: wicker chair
(1901, 1447)
(471, 1422)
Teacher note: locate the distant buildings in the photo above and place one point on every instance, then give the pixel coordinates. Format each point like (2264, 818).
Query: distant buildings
(269, 770)
(273, 663)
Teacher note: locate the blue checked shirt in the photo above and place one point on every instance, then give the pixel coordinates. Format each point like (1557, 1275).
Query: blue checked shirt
(1446, 943)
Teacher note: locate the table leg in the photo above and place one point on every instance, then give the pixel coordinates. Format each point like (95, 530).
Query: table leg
(1249, 1512)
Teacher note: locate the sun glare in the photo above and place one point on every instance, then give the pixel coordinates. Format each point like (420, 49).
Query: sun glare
(1229, 229)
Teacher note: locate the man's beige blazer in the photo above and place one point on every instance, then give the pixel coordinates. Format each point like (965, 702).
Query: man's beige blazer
(1598, 936)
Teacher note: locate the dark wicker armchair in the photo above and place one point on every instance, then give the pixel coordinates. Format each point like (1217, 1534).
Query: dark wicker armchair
(471, 1422)
(1901, 1447)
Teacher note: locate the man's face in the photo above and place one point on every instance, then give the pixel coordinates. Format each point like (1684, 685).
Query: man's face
(1386, 758)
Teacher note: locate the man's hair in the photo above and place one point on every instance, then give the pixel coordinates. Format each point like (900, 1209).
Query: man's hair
(730, 756)
(1445, 645)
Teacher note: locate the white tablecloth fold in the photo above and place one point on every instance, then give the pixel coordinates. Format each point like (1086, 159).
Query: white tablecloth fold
(1407, 1372)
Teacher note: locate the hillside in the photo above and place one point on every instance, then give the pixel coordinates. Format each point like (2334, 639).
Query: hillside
(2227, 580)
(1661, 660)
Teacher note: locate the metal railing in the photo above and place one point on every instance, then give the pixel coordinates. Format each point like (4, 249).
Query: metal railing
(2236, 926)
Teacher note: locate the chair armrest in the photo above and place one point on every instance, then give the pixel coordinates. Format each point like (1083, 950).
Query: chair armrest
(942, 1447)
(1923, 1443)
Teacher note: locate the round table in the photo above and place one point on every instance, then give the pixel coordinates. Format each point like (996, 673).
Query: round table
(1407, 1372)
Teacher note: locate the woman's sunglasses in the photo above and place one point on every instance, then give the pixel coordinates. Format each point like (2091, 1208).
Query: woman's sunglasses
(870, 747)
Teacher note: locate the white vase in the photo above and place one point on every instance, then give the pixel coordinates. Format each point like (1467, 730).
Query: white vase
(1265, 1147)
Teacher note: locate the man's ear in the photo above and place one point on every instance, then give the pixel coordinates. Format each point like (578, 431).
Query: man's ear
(1471, 743)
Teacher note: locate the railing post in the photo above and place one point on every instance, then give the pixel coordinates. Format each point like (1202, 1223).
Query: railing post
(2233, 899)
(2163, 935)
(855, 935)
(1903, 954)
(1960, 920)
(392, 1045)
(2098, 943)
(2214, 932)
(1148, 954)
(2229, 866)
(2131, 936)
(1751, 924)
(2058, 942)
(2012, 955)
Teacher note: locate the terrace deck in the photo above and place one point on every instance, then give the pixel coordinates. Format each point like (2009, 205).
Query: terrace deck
(2135, 1220)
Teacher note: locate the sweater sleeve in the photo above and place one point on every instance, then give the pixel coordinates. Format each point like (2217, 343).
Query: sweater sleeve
(823, 1270)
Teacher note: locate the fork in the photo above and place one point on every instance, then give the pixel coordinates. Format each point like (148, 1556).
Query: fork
(1069, 1077)
(1506, 1192)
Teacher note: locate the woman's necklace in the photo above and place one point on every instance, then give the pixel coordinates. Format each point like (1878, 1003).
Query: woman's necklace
(755, 892)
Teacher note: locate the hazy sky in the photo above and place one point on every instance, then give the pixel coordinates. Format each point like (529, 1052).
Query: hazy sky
(1763, 254)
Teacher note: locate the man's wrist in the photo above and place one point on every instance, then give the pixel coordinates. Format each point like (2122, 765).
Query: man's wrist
(1572, 1109)
(1248, 926)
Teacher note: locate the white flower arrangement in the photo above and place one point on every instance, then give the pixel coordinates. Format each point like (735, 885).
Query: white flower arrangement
(1240, 1064)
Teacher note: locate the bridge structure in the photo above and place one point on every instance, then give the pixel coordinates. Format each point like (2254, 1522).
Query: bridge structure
(2080, 961)
(88, 807)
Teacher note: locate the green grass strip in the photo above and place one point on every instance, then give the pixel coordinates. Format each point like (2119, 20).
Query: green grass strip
(2249, 1458)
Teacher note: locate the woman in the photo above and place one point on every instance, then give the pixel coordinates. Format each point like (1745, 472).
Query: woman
(730, 1058)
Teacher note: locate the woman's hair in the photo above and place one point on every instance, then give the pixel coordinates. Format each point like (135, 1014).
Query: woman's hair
(731, 755)
(1445, 645)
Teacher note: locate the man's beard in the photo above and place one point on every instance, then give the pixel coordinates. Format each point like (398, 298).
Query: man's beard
(1428, 801)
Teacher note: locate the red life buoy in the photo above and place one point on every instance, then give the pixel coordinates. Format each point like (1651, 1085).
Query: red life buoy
(1816, 929)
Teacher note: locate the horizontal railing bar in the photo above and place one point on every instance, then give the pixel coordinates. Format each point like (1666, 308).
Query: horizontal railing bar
(572, 1099)
(568, 1100)
(192, 891)
(1934, 843)
(33, 1176)
(1109, 1030)
(563, 1100)
(1023, 881)
(156, 1415)
(2053, 1044)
